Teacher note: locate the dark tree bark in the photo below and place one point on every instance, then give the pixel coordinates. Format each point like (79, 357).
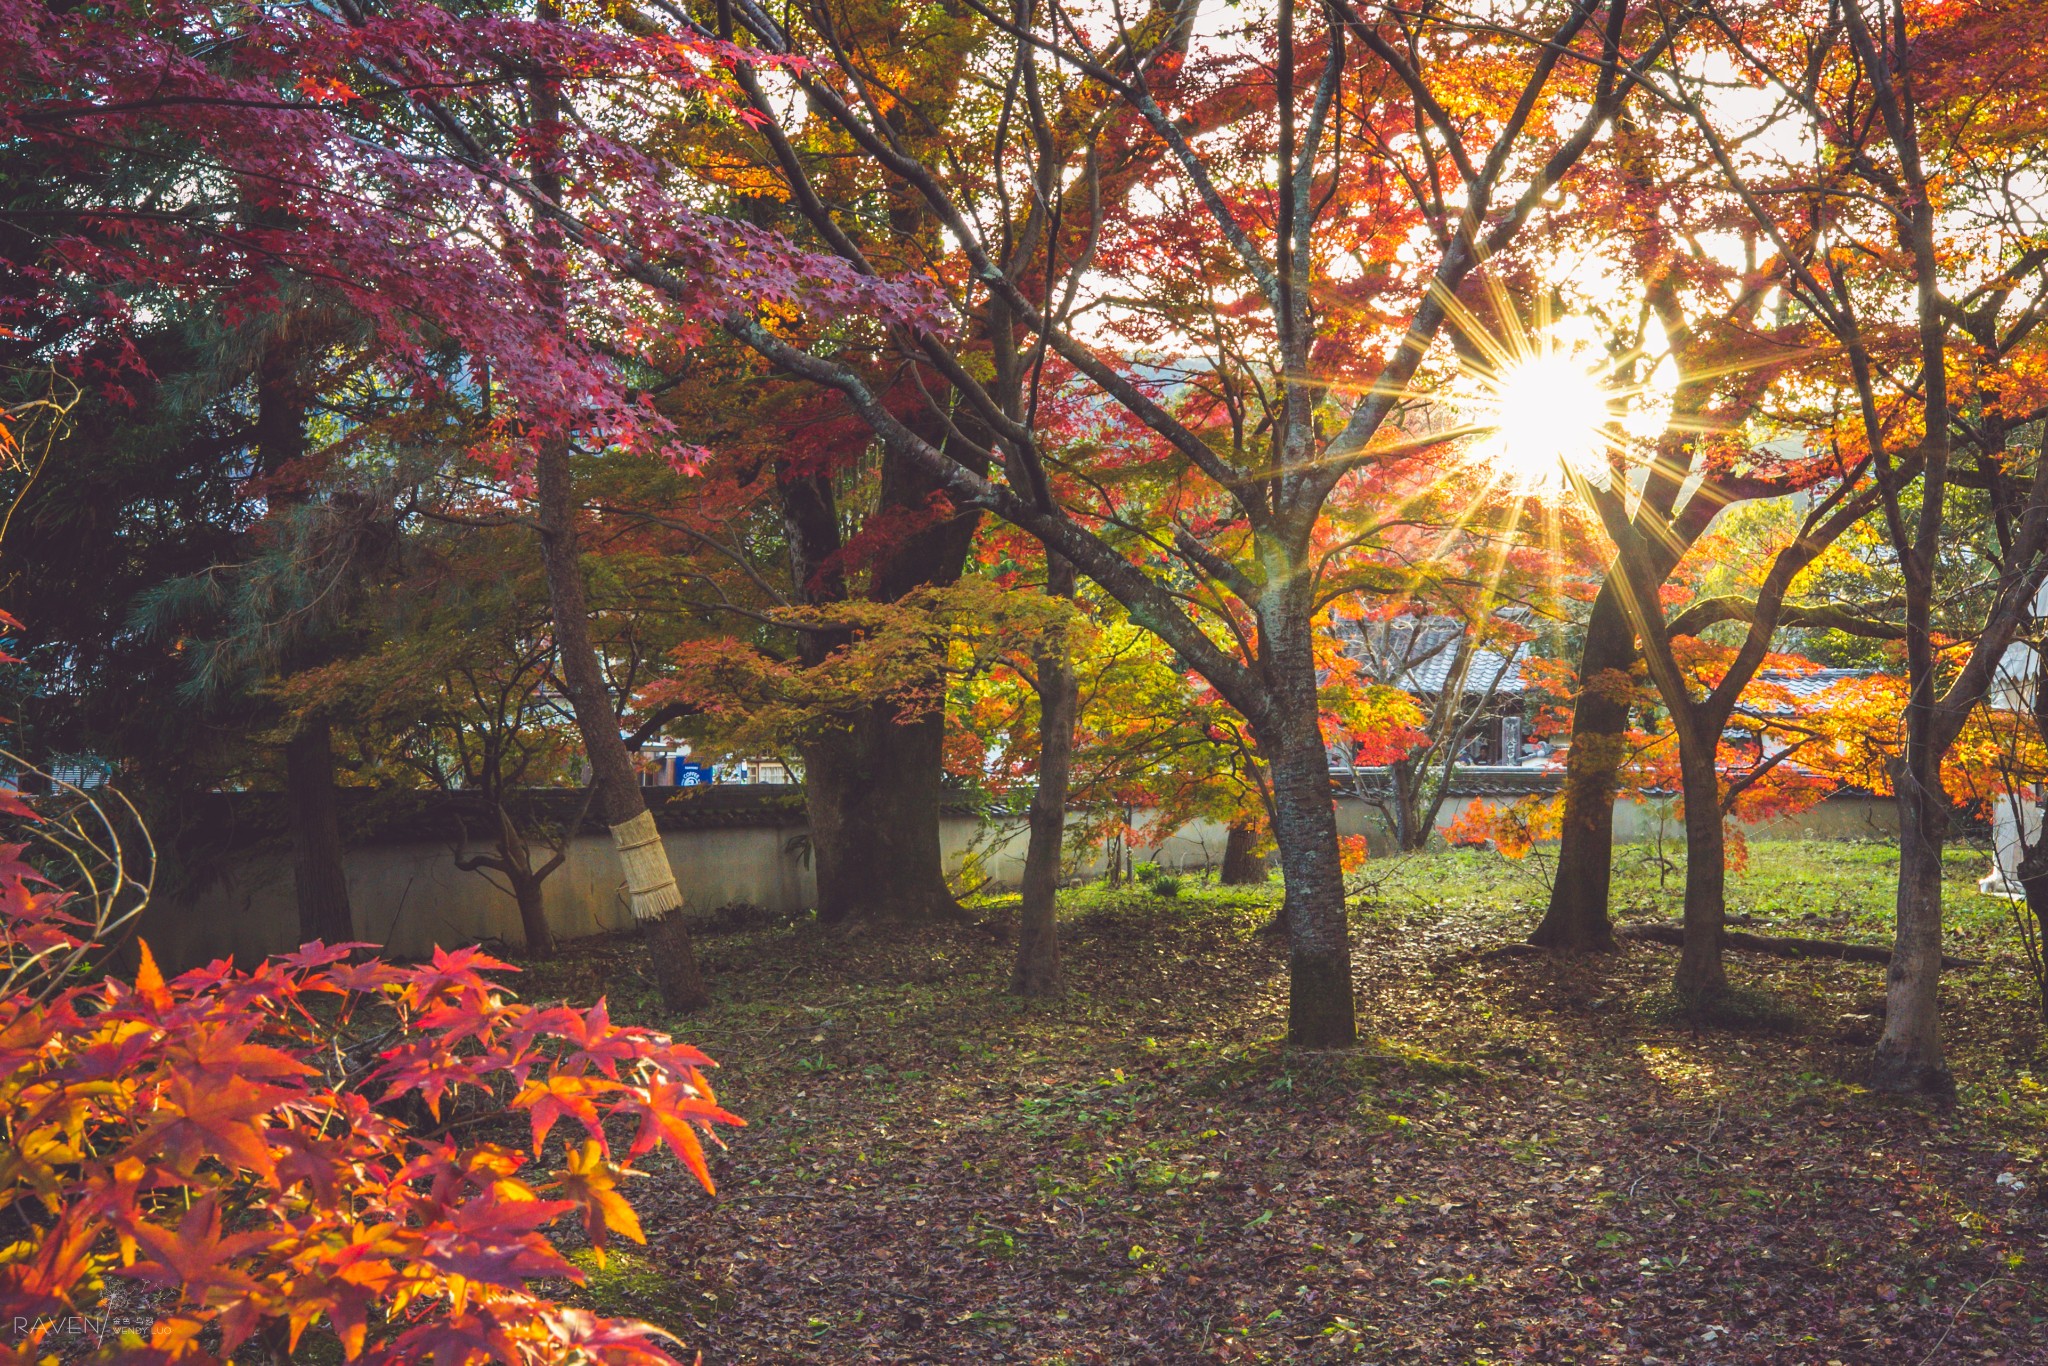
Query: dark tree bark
(1702, 972)
(873, 781)
(2033, 869)
(533, 916)
(1320, 1009)
(873, 789)
(1037, 971)
(318, 876)
(1240, 868)
(1578, 919)
(1411, 832)
(1909, 1056)
(2033, 873)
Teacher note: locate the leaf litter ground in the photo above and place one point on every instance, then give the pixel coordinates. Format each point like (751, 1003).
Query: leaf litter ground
(1533, 1160)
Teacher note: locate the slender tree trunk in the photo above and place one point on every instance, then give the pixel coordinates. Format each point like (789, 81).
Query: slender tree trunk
(1411, 831)
(318, 876)
(1702, 972)
(2033, 869)
(1037, 972)
(533, 915)
(1578, 919)
(2033, 876)
(1320, 1009)
(1240, 869)
(650, 882)
(1909, 1053)
(1908, 1056)
(517, 855)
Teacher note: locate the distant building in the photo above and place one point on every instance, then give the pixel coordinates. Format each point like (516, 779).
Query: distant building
(1427, 657)
(670, 763)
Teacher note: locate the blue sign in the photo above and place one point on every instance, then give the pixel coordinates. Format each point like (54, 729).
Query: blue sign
(693, 775)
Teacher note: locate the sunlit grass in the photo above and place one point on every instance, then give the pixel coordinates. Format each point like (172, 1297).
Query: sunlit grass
(1819, 888)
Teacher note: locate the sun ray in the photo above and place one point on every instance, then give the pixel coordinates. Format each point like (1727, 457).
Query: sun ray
(1547, 400)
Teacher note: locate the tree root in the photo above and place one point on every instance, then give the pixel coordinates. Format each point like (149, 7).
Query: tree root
(1778, 946)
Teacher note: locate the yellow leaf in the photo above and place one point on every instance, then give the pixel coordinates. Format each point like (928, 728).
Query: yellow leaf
(592, 1182)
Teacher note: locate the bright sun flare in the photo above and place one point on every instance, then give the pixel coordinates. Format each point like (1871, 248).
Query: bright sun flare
(1541, 404)
(1550, 410)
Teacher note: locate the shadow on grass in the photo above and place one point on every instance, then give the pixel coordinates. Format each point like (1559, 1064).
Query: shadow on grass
(1741, 1010)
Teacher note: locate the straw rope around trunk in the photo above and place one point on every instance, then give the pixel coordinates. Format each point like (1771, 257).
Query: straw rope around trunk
(651, 888)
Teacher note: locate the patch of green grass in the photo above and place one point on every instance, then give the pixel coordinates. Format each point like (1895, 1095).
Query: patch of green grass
(1472, 880)
(1424, 1065)
(621, 1281)
(1099, 906)
(1827, 889)
(1848, 888)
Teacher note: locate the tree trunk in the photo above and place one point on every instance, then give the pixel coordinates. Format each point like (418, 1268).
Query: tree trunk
(2033, 869)
(873, 784)
(533, 915)
(873, 788)
(1702, 971)
(1320, 1011)
(517, 855)
(1578, 919)
(649, 880)
(2033, 875)
(1037, 972)
(1411, 830)
(1909, 1053)
(318, 876)
(1240, 868)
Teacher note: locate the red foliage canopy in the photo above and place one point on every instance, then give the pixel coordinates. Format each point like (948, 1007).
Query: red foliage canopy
(249, 155)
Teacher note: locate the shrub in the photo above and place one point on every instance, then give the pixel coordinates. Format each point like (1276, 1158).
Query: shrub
(1158, 881)
(291, 1149)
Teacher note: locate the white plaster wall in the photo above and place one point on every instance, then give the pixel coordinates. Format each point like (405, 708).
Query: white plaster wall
(999, 849)
(410, 897)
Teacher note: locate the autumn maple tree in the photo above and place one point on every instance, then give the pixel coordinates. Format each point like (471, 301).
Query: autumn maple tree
(1906, 183)
(201, 153)
(1281, 363)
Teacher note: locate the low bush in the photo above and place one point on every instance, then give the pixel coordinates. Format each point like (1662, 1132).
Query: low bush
(289, 1150)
